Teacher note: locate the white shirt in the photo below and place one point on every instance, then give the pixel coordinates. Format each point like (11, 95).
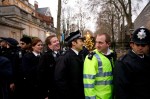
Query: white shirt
(108, 52)
(36, 54)
(75, 51)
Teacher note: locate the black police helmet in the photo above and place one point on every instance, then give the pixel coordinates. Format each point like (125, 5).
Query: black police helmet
(141, 36)
(11, 41)
(73, 35)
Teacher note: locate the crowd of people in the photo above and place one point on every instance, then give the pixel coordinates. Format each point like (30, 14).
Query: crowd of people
(29, 71)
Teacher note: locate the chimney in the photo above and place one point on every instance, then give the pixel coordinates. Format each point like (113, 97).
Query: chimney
(36, 5)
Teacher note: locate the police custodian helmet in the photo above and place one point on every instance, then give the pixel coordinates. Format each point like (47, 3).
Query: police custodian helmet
(141, 36)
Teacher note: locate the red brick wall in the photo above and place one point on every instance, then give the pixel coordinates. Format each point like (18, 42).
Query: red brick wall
(47, 19)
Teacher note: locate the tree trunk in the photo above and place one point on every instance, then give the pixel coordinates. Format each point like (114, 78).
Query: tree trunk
(58, 19)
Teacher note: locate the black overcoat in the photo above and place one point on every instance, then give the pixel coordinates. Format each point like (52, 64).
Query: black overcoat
(29, 66)
(45, 73)
(69, 76)
(5, 77)
(131, 77)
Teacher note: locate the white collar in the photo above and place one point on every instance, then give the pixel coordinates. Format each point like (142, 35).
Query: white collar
(55, 52)
(108, 52)
(138, 55)
(36, 54)
(75, 51)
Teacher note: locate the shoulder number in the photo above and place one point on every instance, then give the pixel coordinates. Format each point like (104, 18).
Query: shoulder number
(90, 55)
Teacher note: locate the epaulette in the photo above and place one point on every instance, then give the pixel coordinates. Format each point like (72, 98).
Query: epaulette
(121, 58)
(45, 51)
(63, 53)
(90, 55)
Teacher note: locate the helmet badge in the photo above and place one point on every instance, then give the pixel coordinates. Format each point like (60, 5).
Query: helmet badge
(141, 34)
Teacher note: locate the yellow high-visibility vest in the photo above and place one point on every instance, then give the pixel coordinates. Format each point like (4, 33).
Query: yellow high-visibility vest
(97, 77)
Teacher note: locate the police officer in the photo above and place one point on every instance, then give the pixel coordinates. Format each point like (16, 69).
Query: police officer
(131, 72)
(98, 70)
(11, 52)
(5, 77)
(25, 43)
(20, 52)
(69, 69)
(3, 45)
(30, 63)
(46, 67)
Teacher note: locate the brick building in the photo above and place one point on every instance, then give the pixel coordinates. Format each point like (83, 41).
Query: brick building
(19, 17)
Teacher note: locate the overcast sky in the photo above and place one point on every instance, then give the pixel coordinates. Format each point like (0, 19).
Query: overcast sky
(52, 4)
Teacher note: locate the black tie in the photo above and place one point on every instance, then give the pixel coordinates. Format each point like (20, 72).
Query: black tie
(57, 54)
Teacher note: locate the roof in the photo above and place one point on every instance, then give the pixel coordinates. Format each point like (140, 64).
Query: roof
(143, 18)
(44, 11)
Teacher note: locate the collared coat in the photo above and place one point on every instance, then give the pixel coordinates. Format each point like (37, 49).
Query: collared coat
(131, 77)
(45, 75)
(29, 66)
(69, 76)
(5, 76)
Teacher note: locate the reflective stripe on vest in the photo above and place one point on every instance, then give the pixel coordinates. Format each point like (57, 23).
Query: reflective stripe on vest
(98, 83)
(100, 74)
(92, 97)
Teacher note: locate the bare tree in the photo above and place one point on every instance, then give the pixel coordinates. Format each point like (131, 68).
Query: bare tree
(76, 17)
(126, 6)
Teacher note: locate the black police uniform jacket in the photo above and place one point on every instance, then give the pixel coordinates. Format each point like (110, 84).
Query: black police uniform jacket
(45, 73)
(69, 76)
(131, 77)
(29, 66)
(5, 76)
(12, 54)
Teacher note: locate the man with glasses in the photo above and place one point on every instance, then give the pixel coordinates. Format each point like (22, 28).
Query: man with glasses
(131, 72)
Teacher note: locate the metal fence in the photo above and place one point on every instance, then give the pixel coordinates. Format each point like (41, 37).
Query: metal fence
(121, 48)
